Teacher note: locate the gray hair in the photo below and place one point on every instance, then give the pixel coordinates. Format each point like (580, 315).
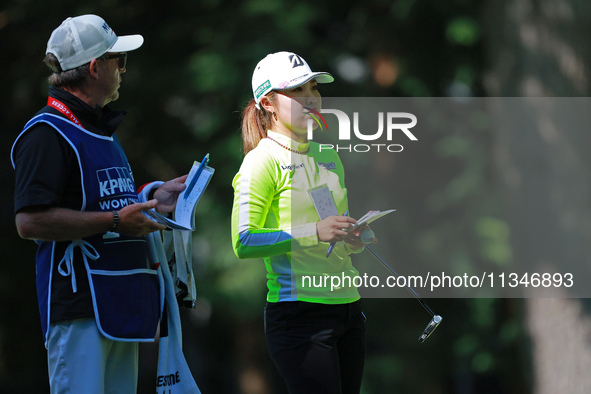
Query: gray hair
(72, 79)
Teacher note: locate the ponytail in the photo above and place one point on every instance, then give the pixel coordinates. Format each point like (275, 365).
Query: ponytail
(255, 123)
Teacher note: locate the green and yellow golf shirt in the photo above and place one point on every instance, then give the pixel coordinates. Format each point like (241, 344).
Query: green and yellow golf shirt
(274, 218)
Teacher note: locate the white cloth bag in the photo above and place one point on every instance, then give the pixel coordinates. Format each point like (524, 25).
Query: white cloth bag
(174, 375)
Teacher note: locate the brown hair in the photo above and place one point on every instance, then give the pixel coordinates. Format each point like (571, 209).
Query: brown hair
(255, 123)
(72, 79)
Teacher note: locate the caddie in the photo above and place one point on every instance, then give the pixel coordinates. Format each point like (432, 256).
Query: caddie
(75, 195)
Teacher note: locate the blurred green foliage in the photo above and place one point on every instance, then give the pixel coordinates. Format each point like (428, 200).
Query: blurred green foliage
(185, 89)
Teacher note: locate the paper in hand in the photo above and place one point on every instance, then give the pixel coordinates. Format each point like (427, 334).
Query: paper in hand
(184, 214)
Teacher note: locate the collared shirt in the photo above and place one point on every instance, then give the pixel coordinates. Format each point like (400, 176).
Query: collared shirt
(274, 217)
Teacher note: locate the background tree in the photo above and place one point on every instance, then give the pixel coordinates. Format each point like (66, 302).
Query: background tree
(534, 50)
(184, 91)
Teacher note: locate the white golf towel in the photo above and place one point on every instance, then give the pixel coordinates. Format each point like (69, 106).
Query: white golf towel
(174, 375)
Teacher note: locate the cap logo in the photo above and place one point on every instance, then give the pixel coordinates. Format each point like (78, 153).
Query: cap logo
(296, 61)
(298, 78)
(106, 28)
(262, 89)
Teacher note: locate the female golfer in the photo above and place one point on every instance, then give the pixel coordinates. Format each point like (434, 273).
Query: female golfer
(314, 326)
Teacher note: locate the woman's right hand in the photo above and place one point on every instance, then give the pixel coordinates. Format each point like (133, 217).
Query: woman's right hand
(334, 228)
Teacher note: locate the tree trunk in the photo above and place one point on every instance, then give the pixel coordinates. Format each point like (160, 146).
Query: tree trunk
(539, 48)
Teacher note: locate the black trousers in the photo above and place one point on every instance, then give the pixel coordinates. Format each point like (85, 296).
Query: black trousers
(317, 348)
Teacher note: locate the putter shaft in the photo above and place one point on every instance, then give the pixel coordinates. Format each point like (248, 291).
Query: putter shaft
(396, 274)
(435, 319)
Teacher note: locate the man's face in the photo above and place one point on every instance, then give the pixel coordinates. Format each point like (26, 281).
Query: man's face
(110, 78)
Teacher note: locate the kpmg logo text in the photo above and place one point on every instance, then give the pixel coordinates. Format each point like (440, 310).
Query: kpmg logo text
(116, 188)
(389, 123)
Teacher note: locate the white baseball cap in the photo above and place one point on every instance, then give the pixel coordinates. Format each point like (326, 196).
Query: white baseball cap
(283, 70)
(80, 39)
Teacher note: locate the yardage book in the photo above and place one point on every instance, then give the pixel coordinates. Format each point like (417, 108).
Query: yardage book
(371, 216)
(325, 206)
(184, 214)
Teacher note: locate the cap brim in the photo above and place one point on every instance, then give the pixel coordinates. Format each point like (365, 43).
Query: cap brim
(321, 77)
(127, 43)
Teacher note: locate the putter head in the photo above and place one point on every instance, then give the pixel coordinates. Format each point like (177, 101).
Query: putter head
(430, 328)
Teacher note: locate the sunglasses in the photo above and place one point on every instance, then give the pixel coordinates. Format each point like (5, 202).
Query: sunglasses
(121, 59)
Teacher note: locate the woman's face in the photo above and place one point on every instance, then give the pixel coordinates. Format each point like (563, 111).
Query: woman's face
(291, 107)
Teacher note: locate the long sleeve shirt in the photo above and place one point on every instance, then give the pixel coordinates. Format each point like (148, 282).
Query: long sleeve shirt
(274, 218)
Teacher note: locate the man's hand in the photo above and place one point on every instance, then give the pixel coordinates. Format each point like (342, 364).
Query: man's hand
(133, 222)
(168, 193)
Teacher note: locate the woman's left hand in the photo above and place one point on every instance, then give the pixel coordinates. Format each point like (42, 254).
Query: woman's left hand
(353, 240)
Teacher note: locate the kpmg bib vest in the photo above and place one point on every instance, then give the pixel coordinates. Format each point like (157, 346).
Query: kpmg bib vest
(126, 292)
